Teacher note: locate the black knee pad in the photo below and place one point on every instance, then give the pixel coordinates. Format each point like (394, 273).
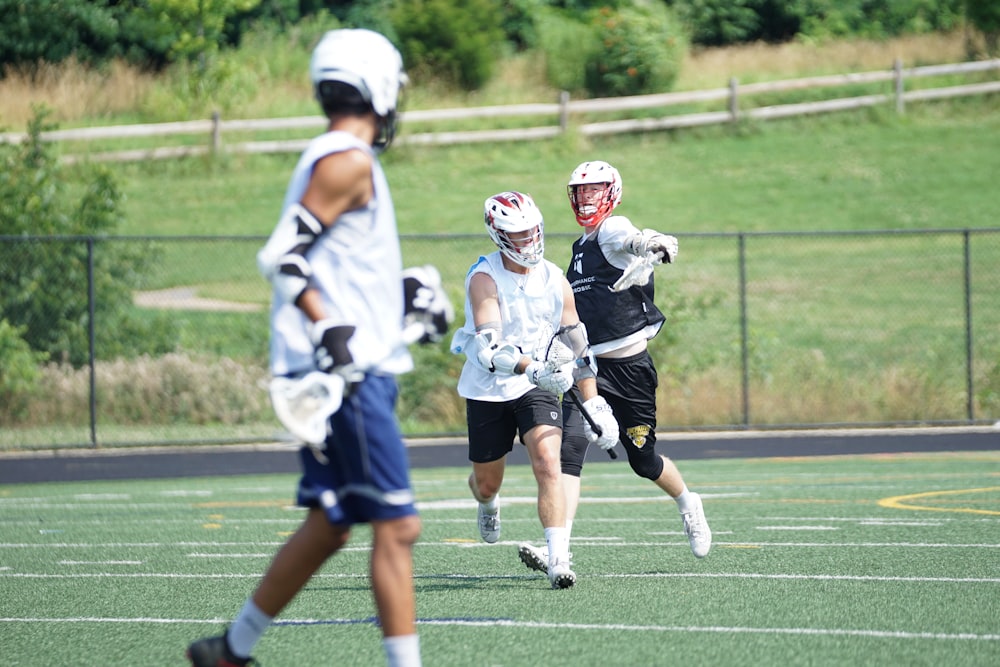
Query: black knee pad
(574, 450)
(645, 461)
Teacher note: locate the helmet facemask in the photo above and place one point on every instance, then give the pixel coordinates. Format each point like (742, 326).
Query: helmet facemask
(594, 207)
(516, 226)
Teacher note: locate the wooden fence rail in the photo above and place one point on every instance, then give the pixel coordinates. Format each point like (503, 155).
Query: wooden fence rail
(563, 110)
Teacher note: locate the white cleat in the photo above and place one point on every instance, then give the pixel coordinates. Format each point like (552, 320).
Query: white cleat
(534, 558)
(489, 524)
(696, 528)
(560, 575)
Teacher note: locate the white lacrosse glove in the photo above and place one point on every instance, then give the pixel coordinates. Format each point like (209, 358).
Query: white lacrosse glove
(662, 247)
(427, 311)
(600, 412)
(304, 405)
(550, 377)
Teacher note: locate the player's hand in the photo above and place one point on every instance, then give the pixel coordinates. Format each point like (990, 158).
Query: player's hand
(427, 312)
(332, 353)
(601, 413)
(651, 243)
(549, 376)
(663, 247)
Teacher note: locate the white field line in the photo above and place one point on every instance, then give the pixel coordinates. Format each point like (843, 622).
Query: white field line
(606, 541)
(100, 562)
(511, 623)
(294, 520)
(505, 577)
(796, 528)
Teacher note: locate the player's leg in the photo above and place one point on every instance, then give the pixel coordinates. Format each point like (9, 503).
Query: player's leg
(292, 567)
(629, 386)
(392, 574)
(378, 467)
(573, 451)
(540, 421)
(297, 560)
(572, 455)
(491, 428)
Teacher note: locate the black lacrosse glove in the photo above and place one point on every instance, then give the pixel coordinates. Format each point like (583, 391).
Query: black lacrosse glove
(332, 353)
(427, 312)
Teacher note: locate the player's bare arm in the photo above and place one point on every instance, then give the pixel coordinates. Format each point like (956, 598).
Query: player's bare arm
(340, 182)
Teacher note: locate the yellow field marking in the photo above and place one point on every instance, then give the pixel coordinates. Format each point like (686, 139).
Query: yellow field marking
(459, 540)
(902, 502)
(211, 526)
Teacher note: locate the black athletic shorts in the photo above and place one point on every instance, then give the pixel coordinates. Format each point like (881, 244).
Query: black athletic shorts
(493, 425)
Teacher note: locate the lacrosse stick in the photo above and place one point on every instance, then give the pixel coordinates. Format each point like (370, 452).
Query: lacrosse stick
(554, 351)
(636, 273)
(304, 405)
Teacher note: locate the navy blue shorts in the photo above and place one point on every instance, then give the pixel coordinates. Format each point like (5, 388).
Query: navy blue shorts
(493, 425)
(366, 475)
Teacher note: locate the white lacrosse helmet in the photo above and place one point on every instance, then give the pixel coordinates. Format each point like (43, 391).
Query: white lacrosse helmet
(366, 61)
(514, 213)
(589, 214)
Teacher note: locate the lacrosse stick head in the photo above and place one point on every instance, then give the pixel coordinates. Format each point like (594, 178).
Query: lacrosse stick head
(549, 348)
(636, 273)
(304, 405)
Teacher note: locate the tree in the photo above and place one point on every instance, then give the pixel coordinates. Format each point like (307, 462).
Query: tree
(52, 242)
(52, 31)
(195, 27)
(458, 40)
(985, 16)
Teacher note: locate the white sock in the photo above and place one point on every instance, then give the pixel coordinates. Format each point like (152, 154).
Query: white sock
(558, 542)
(492, 503)
(569, 531)
(247, 629)
(683, 500)
(402, 650)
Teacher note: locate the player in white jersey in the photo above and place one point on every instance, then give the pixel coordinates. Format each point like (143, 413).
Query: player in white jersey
(519, 308)
(341, 303)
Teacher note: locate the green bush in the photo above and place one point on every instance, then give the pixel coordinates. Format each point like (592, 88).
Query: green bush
(459, 41)
(18, 372)
(568, 44)
(641, 51)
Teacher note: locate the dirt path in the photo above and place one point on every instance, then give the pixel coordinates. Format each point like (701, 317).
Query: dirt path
(186, 298)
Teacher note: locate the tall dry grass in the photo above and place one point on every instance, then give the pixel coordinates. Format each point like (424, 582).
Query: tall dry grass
(712, 68)
(73, 92)
(79, 95)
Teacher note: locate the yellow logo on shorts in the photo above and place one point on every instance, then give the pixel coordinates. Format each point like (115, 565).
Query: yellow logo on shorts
(637, 434)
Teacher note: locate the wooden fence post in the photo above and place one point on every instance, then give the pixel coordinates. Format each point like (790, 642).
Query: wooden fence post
(563, 111)
(734, 100)
(897, 75)
(216, 131)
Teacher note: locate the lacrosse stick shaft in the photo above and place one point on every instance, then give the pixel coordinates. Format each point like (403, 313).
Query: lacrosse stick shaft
(590, 420)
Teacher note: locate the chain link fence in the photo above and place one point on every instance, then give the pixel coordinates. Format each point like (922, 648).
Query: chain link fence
(153, 340)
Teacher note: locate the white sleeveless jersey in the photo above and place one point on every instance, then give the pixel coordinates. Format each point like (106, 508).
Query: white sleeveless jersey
(357, 267)
(526, 303)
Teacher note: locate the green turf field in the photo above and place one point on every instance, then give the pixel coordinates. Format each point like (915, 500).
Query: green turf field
(863, 560)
